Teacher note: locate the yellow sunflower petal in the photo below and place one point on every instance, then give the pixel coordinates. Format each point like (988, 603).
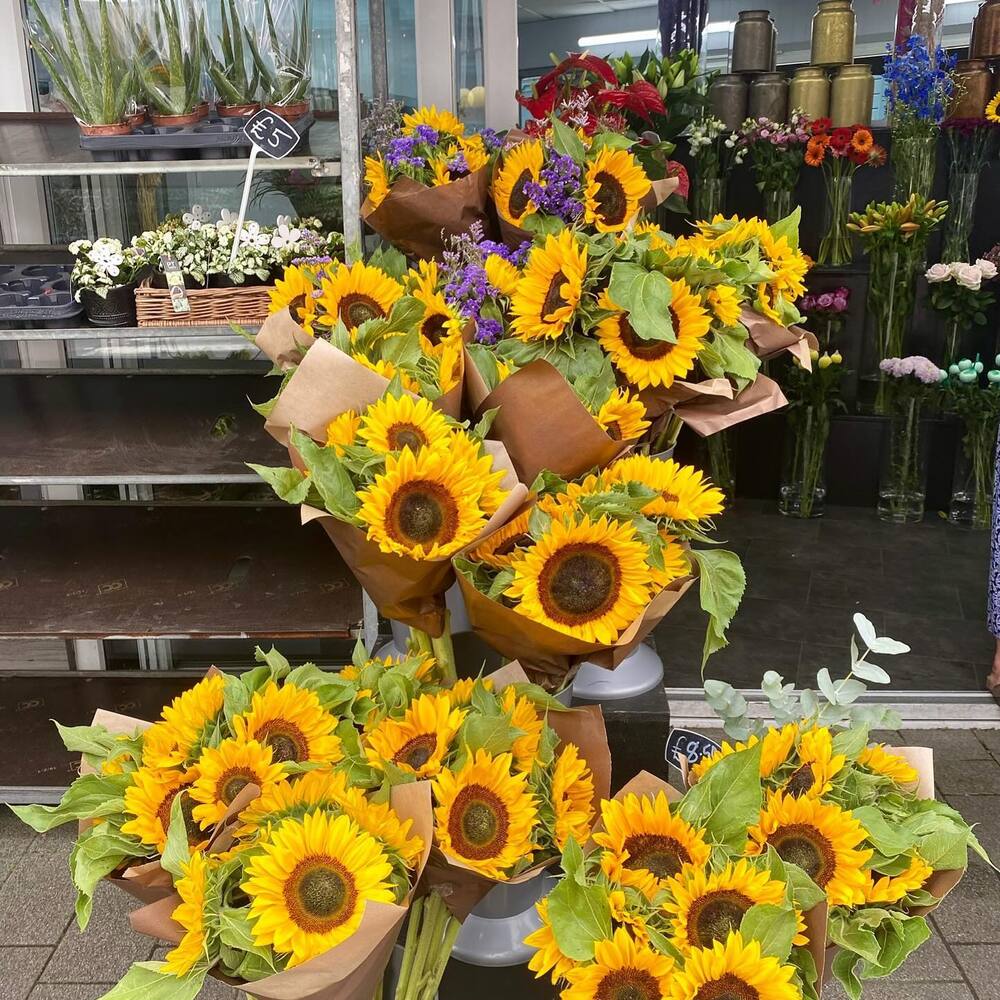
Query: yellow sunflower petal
(517, 166)
(420, 741)
(613, 186)
(550, 289)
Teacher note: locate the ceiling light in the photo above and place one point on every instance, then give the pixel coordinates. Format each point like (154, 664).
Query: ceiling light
(624, 36)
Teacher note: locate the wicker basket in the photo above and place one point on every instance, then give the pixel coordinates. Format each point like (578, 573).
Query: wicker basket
(246, 305)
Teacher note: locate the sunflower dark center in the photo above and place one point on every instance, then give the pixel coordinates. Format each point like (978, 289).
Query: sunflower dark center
(478, 823)
(628, 984)
(320, 894)
(663, 856)
(356, 308)
(553, 297)
(233, 782)
(715, 915)
(801, 781)
(416, 752)
(806, 847)
(645, 350)
(518, 199)
(406, 436)
(579, 583)
(612, 202)
(728, 987)
(296, 306)
(421, 512)
(433, 327)
(614, 431)
(507, 547)
(194, 834)
(286, 740)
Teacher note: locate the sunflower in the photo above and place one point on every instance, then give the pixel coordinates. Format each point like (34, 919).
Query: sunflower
(572, 797)
(878, 760)
(423, 279)
(589, 580)
(502, 275)
(676, 563)
(342, 430)
(320, 789)
(295, 291)
(655, 362)
(517, 167)
(423, 506)
(190, 914)
(439, 323)
(549, 292)
(224, 772)
(292, 722)
(470, 453)
(818, 765)
(645, 844)
(685, 493)
(893, 888)
(733, 969)
(460, 692)
(778, 745)
(613, 185)
(389, 371)
(525, 718)
(309, 884)
(623, 416)
(376, 180)
(425, 665)
(623, 914)
(440, 173)
(725, 304)
(419, 742)
(485, 815)
(397, 422)
(149, 799)
(548, 957)
(357, 293)
(183, 722)
(704, 908)
(621, 968)
(443, 120)
(820, 838)
(992, 112)
(500, 549)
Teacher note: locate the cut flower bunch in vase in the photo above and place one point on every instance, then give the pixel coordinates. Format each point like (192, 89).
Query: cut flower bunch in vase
(957, 292)
(776, 151)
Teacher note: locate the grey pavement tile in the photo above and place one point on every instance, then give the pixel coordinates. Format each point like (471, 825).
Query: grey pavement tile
(36, 901)
(948, 744)
(982, 811)
(970, 914)
(56, 843)
(990, 738)
(931, 962)
(981, 966)
(895, 988)
(966, 777)
(69, 991)
(19, 968)
(15, 838)
(104, 952)
(782, 620)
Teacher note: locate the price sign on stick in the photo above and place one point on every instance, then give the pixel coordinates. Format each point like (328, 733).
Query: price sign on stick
(690, 745)
(271, 135)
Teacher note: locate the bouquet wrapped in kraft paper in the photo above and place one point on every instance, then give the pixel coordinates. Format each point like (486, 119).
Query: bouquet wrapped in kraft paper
(663, 880)
(592, 566)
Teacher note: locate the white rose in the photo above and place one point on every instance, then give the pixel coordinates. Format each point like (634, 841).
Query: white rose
(969, 276)
(954, 267)
(938, 272)
(987, 268)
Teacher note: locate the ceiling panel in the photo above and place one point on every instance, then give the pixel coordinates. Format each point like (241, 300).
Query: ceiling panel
(629, 4)
(562, 8)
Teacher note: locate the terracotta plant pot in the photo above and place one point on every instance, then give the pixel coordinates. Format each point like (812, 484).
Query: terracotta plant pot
(202, 110)
(138, 119)
(237, 110)
(289, 111)
(189, 119)
(117, 308)
(121, 128)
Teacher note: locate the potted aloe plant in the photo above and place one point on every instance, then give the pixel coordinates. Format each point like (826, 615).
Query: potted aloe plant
(84, 55)
(284, 57)
(171, 49)
(236, 78)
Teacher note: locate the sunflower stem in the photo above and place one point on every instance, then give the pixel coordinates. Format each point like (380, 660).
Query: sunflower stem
(412, 930)
(420, 641)
(668, 436)
(444, 653)
(432, 978)
(429, 923)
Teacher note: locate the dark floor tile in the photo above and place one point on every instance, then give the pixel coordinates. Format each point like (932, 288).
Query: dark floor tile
(963, 570)
(990, 738)
(933, 596)
(828, 554)
(745, 524)
(963, 542)
(782, 620)
(970, 914)
(966, 777)
(867, 529)
(973, 599)
(778, 583)
(949, 639)
(908, 672)
(742, 663)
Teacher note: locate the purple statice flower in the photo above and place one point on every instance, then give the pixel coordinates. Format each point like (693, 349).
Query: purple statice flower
(313, 261)
(557, 190)
(458, 165)
(401, 152)
(488, 331)
(426, 133)
(491, 140)
(467, 290)
(519, 257)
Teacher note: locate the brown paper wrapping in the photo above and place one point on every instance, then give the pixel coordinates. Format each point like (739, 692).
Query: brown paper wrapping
(283, 339)
(659, 400)
(768, 339)
(461, 888)
(350, 971)
(708, 415)
(418, 220)
(404, 589)
(550, 656)
(541, 422)
(328, 382)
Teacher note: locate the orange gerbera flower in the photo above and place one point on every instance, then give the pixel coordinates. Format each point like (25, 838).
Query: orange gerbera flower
(862, 140)
(814, 155)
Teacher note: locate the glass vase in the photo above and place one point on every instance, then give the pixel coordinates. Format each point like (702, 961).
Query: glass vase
(903, 481)
(972, 488)
(891, 292)
(914, 159)
(777, 203)
(803, 481)
(720, 462)
(709, 196)
(963, 189)
(835, 248)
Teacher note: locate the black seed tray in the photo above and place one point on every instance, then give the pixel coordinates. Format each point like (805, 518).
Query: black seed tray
(211, 138)
(38, 292)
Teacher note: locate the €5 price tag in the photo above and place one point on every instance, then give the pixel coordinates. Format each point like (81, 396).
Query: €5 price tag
(271, 134)
(691, 745)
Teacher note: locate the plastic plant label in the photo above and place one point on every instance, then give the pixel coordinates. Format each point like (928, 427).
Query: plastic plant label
(690, 745)
(271, 134)
(175, 283)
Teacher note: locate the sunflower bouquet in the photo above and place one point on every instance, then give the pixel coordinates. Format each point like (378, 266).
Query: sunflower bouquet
(429, 178)
(591, 568)
(400, 488)
(859, 817)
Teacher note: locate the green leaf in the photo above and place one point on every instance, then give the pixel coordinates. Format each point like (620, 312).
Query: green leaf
(725, 354)
(289, 484)
(870, 672)
(945, 849)
(91, 796)
(277, 665)
(850, 742)
(149, 981)
(177, 851)
(645, 296)
(727, 800)
(236, 696)
(492, 733)
(580, 916)
(901, 936)
(572, 861)
(848, 930)
(97, 853)
(805, 892)
(843, 968)
(722, 582)
(328, 475)
(773, 926)
(539, 697)
(90, 739)
(566, 141)
(789, 228)
(889, 839)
